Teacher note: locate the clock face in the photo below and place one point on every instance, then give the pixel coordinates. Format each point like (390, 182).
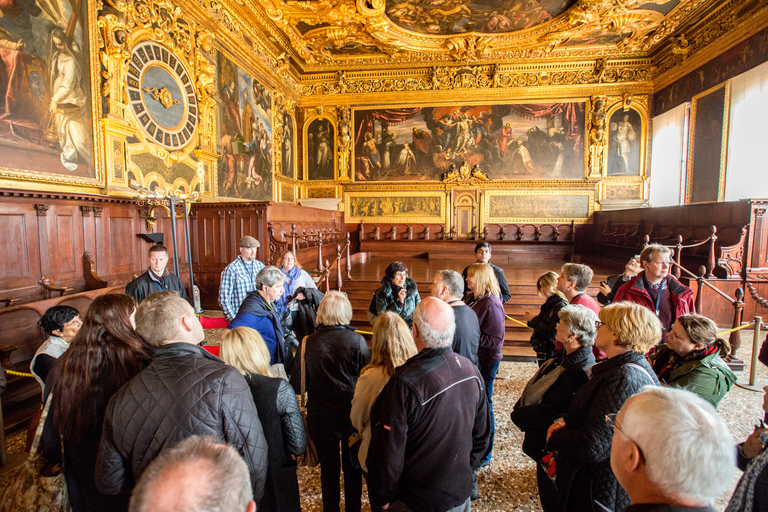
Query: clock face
(162, 96)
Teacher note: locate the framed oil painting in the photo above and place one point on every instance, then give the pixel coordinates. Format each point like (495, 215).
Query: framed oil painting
(288, 146)
(319, 158)
(538, 206)
(517, 141)
(245, 134)
(624, 143)
(46, 96)
(395, 207)
(708, 145)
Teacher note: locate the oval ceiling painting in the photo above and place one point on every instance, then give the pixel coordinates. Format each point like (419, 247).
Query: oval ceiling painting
(442, 17)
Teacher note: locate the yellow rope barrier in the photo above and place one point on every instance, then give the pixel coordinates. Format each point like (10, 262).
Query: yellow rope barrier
(19, 373)
(518, 322)
(729, 331)
(363, 332)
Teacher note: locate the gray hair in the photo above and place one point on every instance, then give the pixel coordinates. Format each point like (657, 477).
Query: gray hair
(687, 446)
(453, 281)
(194, 472)
(579, 274)
(580, 321)
(269, 276)
(428, 324)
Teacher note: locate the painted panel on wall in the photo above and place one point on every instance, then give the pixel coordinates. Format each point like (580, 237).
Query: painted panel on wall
(245, 131)
(424, 208)
(624, 143)
(706, 162)
(508, 208)
(45, 103)
(288, 153)
(320, 144)
(522, 141)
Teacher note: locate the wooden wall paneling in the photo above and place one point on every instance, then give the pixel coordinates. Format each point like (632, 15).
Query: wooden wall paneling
(757, 250)
(42, 236)
(65, 245)
(121, 252)
(19, 251)
(89, 230)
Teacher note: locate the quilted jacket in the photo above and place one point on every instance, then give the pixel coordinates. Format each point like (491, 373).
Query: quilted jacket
(385, 299)
(185, 391)
(584, 445)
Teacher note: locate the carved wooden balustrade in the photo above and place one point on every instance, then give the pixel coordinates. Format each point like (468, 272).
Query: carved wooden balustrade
(491, 232)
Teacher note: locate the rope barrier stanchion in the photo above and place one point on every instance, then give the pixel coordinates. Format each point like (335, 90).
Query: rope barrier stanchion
(753, 364)
(518, 322)
(20, 374)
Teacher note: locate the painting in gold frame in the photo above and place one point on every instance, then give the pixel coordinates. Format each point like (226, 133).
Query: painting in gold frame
(288, 167)
(320, 149)
(50, 111)
(708, 144)
(395, 207)
(538, 206)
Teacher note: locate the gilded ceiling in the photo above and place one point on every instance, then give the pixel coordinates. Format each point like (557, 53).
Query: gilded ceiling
(338, 35)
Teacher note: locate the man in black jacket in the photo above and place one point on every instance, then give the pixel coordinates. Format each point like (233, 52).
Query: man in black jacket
(483, 255)
(448, 286)
(156, 278)
(430, 425)
(185, 391)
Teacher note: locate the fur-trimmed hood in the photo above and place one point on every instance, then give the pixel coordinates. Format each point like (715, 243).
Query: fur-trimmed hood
(388, 289)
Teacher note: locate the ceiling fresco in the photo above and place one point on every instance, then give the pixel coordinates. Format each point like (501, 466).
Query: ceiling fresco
(336, 35)
(486, 16)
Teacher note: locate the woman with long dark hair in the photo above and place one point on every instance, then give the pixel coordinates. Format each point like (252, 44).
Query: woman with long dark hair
(105, 354)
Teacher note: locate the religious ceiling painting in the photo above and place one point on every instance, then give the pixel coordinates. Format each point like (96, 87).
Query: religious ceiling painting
(320, 143)
(488, 16)
(735, 61)
(288, 163)
(708, 145)
(518, 141)
(46, 110)
(395, 207)
(538, 206)
(245, 134)
(624, 143)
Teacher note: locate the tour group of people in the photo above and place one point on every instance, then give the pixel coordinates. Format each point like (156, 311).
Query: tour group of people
(144, 418)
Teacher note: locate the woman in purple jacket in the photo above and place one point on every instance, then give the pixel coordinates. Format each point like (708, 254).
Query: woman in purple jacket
(485, 301)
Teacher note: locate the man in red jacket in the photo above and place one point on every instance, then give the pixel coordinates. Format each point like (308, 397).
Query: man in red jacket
(656, 290)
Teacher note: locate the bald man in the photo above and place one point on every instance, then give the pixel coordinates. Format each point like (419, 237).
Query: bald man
(431, 423)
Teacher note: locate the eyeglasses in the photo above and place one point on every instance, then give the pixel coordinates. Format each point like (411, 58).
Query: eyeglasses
(598, 323)
(610, 420)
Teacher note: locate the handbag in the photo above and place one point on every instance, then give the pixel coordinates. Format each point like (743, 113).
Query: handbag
(37, 484)
(309, 457)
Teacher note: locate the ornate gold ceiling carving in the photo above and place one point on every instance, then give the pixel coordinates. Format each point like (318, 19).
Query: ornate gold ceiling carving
(358, 34)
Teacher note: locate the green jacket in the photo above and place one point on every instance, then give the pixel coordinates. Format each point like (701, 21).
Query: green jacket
(708, 377)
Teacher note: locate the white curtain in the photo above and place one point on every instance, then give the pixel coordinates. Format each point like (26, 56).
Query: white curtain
(667, 157)
(747, 170)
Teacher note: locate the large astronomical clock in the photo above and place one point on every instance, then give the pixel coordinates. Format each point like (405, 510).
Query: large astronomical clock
(162, 96)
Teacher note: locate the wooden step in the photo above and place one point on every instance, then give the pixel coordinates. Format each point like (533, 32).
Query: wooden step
(518, 354)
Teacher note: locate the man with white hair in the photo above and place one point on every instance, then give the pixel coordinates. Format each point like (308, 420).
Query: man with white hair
(448, 286)
(189, 477)
(430, 425)
(671, 451)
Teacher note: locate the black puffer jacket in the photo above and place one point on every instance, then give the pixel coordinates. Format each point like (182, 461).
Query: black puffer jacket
(544, 324)
(385, 299)
(584, 445)
(185, 391)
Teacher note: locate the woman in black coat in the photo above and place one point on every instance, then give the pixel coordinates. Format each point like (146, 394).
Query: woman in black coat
(545, 323)
(279, 413)
(547, 395)
(334, 356)
(579, 446)
(398, 293)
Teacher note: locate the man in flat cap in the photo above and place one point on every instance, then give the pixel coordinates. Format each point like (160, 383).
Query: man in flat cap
(239, 277)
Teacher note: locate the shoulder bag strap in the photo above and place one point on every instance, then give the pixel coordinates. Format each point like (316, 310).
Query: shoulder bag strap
(303, 373)
(41, 424)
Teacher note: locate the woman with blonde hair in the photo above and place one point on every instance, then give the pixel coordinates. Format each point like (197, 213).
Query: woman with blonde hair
(580, 444)
(279, 413)
(295, 277)
(392, 345)
(692, 359)
(544, 324)
(485, 301)
(334, 356)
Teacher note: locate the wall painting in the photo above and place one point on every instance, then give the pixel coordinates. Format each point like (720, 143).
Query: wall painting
(46, 118)
(624, 131)
(538, 206)
(289, 146)
(708, 144)
(519, 141)
(320, 161)
(245, 134)
(395, 208)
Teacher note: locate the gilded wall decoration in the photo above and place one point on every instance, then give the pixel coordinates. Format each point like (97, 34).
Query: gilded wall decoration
(516, 141)
(708, 144)
(287, 193)
(321, 193)
(288, 145)
(245, 143)
(624, 143)
(623, 191)
(398, 207)
(319, 156)
(47, 107)
(533, 206)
